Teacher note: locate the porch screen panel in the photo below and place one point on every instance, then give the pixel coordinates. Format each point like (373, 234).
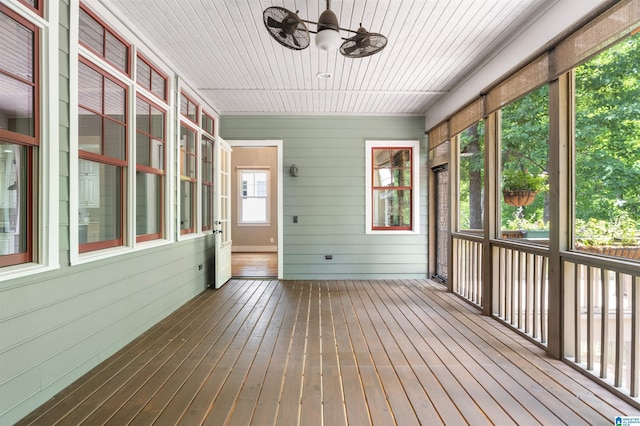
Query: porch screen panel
(529, 78)
(606, 29)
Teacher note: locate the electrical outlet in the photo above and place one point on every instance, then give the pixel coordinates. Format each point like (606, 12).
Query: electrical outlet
(295, 219)
(199, 267)
(271, 239)
(328, 257)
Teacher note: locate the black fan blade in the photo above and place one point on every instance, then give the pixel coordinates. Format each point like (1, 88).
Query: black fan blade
(273, 23)
(295, 41)
(350, 50)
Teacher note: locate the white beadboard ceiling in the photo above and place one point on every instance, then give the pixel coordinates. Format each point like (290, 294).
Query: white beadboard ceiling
(222, 48)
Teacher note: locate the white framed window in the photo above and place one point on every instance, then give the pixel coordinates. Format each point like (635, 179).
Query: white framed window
(392, 187)
(29, 169)
(253, 196)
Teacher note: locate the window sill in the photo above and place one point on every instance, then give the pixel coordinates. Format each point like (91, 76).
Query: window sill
(391, 232)
(25, 270)
(254, 224)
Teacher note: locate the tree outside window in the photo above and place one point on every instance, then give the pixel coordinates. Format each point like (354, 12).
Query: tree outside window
(607, 209)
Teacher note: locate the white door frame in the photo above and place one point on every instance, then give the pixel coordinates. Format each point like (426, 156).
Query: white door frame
(222, 218)
(278, 144)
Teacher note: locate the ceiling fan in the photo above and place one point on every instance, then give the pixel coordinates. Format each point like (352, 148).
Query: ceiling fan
(288, 29)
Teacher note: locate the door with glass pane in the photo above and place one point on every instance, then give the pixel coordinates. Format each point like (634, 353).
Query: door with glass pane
(442, 229)
(222, 208)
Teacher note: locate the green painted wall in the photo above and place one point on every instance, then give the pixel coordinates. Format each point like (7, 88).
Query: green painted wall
(56, 326)
(329, 195)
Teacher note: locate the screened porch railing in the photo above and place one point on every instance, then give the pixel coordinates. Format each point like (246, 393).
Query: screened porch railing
(467, 267)
(602, 331)
(520, 275)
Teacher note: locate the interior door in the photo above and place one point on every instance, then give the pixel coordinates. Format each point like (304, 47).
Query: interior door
(222, 212)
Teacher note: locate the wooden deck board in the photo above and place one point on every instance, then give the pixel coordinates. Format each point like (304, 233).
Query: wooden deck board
(335, 353)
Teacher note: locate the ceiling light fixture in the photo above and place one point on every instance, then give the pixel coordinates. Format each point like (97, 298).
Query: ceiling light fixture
(323, 75)
(288, 29)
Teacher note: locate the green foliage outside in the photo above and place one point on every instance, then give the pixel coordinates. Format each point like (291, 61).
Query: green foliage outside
(607, 155)
(519, 180)
(525, 152)
(470, 197)
(608, 146)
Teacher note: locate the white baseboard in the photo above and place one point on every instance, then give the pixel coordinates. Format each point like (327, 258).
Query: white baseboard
(254, 249)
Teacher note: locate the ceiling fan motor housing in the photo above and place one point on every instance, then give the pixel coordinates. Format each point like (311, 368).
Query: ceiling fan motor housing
(328, 37)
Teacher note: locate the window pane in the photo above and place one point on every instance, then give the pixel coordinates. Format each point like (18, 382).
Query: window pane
(471, 195)
(114, 140)
(100, 202)
(207, 124)
(16, 106)
(184, 105)
(148, 203)
(143, 150)
(157, 123)
(607, 207)
(14, 199)
(143, 74)
(157, 154)
(391, 208)
(89, 131)
(143, 116)
(91, 33)
(187, 152)
(32, 3)
(382, 177)
(115, 100)
(254, 210)
(524, 155)
(186, 205)
(158, 85)
(392, 167)
(90, 89)
(117, 52)
(16, 48)
(207, 207)
(207, 160)
(254, 184)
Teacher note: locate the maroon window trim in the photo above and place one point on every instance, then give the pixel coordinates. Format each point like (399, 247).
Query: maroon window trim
(185, 178)
(211, 130)
(99, 157)
(26, 256)
(162, 74)
(104, 159)
(154, 171)
(190, 103)
(13, 136)
(119, 241)
(38, 8)
(107, 29)
(157, 235)
(29, 141)
(208, 163)
(393, 188)
(142, 167)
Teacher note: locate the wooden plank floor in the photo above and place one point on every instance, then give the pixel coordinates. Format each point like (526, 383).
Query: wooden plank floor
(266, 352)
(254, 265)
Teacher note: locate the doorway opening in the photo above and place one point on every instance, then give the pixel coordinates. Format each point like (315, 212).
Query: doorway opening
(256, 209)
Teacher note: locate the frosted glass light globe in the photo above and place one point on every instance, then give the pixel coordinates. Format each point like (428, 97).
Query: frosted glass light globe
(328, 39)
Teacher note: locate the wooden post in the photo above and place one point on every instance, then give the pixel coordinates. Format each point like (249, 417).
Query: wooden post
(491, 186)
(560, 208)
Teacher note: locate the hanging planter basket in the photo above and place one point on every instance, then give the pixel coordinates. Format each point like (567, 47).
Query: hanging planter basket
(519, 198)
